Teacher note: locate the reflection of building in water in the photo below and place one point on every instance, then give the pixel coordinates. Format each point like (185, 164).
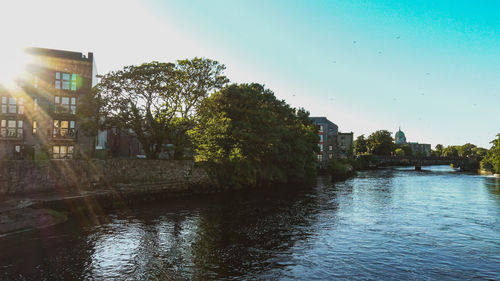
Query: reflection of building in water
(38, 114)
(332, 143)
(418, 149)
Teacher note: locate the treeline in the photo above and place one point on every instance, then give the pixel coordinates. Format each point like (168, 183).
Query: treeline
(491, 161)
(242, 133)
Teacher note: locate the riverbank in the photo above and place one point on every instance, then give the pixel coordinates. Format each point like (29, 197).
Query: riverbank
(29, 211)
(36, 194)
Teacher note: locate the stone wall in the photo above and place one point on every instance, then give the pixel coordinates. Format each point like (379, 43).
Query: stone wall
(26, 176)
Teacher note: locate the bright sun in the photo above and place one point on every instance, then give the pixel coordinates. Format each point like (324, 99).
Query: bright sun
(12, 63)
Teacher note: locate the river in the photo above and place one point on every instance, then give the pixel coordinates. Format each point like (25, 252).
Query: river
(393, 224)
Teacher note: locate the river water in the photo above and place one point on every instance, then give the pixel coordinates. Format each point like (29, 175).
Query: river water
(394, 224)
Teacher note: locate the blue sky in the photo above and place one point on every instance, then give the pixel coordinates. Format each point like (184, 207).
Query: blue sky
(431, 67)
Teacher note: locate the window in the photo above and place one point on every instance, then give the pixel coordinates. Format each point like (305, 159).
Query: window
(330, 148)
(320, 147)
(66, 81)
(321, 138)
(65, 104)
(73, 82)
(58, 80)
(64, 129)
(321, 128)
(12, 105)
(4, 104)
(320, 157)
(330, 156)
(34, 127)
(11, 128)
(62, 151)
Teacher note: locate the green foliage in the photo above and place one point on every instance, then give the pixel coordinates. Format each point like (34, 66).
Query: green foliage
(157, 101)
(247, 137)
(491, 160)
(450, 151)
(339, 170)
(360, 145)
(380, 143)
(466, 150)
(399, 152)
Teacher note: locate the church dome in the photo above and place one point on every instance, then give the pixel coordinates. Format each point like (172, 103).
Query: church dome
(400, 137)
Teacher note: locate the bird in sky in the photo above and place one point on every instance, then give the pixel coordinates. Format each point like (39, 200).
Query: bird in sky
(354, 42)
(397, 37)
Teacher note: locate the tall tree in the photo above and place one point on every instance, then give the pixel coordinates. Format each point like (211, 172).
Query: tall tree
(466, 150)
(450, 151)
(158, 101)
(380, 143)
(360, 145)
(438, 150)
(248, 137)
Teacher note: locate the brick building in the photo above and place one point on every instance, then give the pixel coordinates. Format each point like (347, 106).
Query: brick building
(332, 143)
(38, 114)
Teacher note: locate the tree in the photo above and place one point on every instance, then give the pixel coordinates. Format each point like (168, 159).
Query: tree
(380, 143)
(466, 150)
(158, 101)
(491, 160)
(399, 152)
(248, 137)
(438, 150)
(450, 151)
(360, 145)
(90, 113)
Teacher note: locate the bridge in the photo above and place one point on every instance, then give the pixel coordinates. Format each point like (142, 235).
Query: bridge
(457, 162)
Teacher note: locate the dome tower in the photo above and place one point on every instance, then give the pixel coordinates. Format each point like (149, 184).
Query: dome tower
(400, 137)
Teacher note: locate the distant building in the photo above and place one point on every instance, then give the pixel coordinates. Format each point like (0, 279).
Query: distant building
(332, 144)
(38, 115)
(418, 149)
(400, 137)
(344, 144)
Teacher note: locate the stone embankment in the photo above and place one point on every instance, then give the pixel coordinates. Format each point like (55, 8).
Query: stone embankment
(29, 190)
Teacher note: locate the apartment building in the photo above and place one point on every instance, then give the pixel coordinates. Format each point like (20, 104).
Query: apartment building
(332, 143)
(38, 113)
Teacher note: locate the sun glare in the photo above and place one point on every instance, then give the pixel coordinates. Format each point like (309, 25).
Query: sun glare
(12, 64)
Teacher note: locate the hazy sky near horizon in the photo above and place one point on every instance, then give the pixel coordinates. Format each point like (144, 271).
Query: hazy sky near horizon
(431, 67)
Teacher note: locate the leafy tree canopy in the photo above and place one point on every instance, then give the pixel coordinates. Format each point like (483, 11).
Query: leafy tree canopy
(360, 145)
(158, 101)
(248, 137)
(380, 143)
(491, 160)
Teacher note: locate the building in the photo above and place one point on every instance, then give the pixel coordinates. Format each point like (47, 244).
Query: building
(418, 149)
(332, 143)
(38, 113)
(400, 137)
(344, 144)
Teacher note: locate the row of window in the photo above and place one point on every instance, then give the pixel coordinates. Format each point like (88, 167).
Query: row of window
(12, 105)
(330, 148)
(16, 105)
(65, 104)
(66, 81)
(14, 128)
(62, 151)
(11, 128)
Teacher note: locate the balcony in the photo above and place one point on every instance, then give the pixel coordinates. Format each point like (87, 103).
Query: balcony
(11, 133)
(63, 133)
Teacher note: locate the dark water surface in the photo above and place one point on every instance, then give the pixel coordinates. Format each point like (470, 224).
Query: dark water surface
(382, 225)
